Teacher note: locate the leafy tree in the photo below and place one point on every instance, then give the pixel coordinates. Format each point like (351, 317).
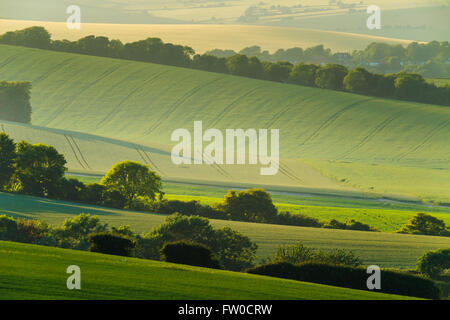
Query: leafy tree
(71, 189)
(190, 253)
(238, 65)
(331, 77)
(385, 86)
(7, 159)
(410, 86)
(124, 230)
(111, 243)
(253, 205)
(433, 263)
(234, 250)
(256, 68)
(209, 63)
(15, 101)
(359, 80)
(426, 224)
(74, 232)
(132, 180)
(304, 74)
(34, 37)
(92, 45)
(39, 170)
(317, 54)
(278, 71)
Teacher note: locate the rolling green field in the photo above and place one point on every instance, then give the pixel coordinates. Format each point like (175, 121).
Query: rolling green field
(384, 141)
(37, 272)
(384, 249)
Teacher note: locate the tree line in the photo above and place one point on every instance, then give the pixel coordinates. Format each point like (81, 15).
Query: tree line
(429, 59)
(15, 101)
(334, 75)
(39, 170)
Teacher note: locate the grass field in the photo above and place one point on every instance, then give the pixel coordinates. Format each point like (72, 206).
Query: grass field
(143, 103)
(39, 273)
(384, 214)
(384, 249)
(203, 38)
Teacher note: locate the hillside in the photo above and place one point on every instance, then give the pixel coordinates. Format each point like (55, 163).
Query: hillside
(144, 103)
(36, 272)
(203, 38)
(388, 250)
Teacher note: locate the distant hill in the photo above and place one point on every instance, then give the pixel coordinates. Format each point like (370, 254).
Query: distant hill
(358, 142)
(203, 38)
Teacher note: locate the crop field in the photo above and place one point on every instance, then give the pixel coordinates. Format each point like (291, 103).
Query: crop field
(203, 38)
(329, 140)
(384, 214)
(419, 22)
(37, 272)
(384, 249)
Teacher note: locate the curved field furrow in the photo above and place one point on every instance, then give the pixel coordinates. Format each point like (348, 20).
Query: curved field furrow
(177, 104)
(330, 120)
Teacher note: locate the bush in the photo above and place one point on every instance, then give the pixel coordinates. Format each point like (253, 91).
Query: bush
(331, 77)
(111, 243)
(74, 232)
(425, 224)
(349, 277)
(433, 263)
(251, 205)
(26, 231)
(298, 253)
(234, 250)
(300, 220)
(15, 101)
(351, 224)
(190, 253)
(7, 159)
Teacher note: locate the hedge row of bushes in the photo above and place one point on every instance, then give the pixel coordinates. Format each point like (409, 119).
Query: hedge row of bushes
(224, 212)
(403, 85)
(233, 250)
(392, 282)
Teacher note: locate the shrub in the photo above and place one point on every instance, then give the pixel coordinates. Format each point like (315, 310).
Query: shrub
(331, 77)
(433, 263)
(7, 158)
(426, 224)
(234, 250)
(301, 220)
(74, 232)
(26, 231)
(356, 225)
(111, 243)
(392, 282)
(189, 253)
(351, 224)
(8, 228)
(15, 101)
(250, 205)
(298, 253)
